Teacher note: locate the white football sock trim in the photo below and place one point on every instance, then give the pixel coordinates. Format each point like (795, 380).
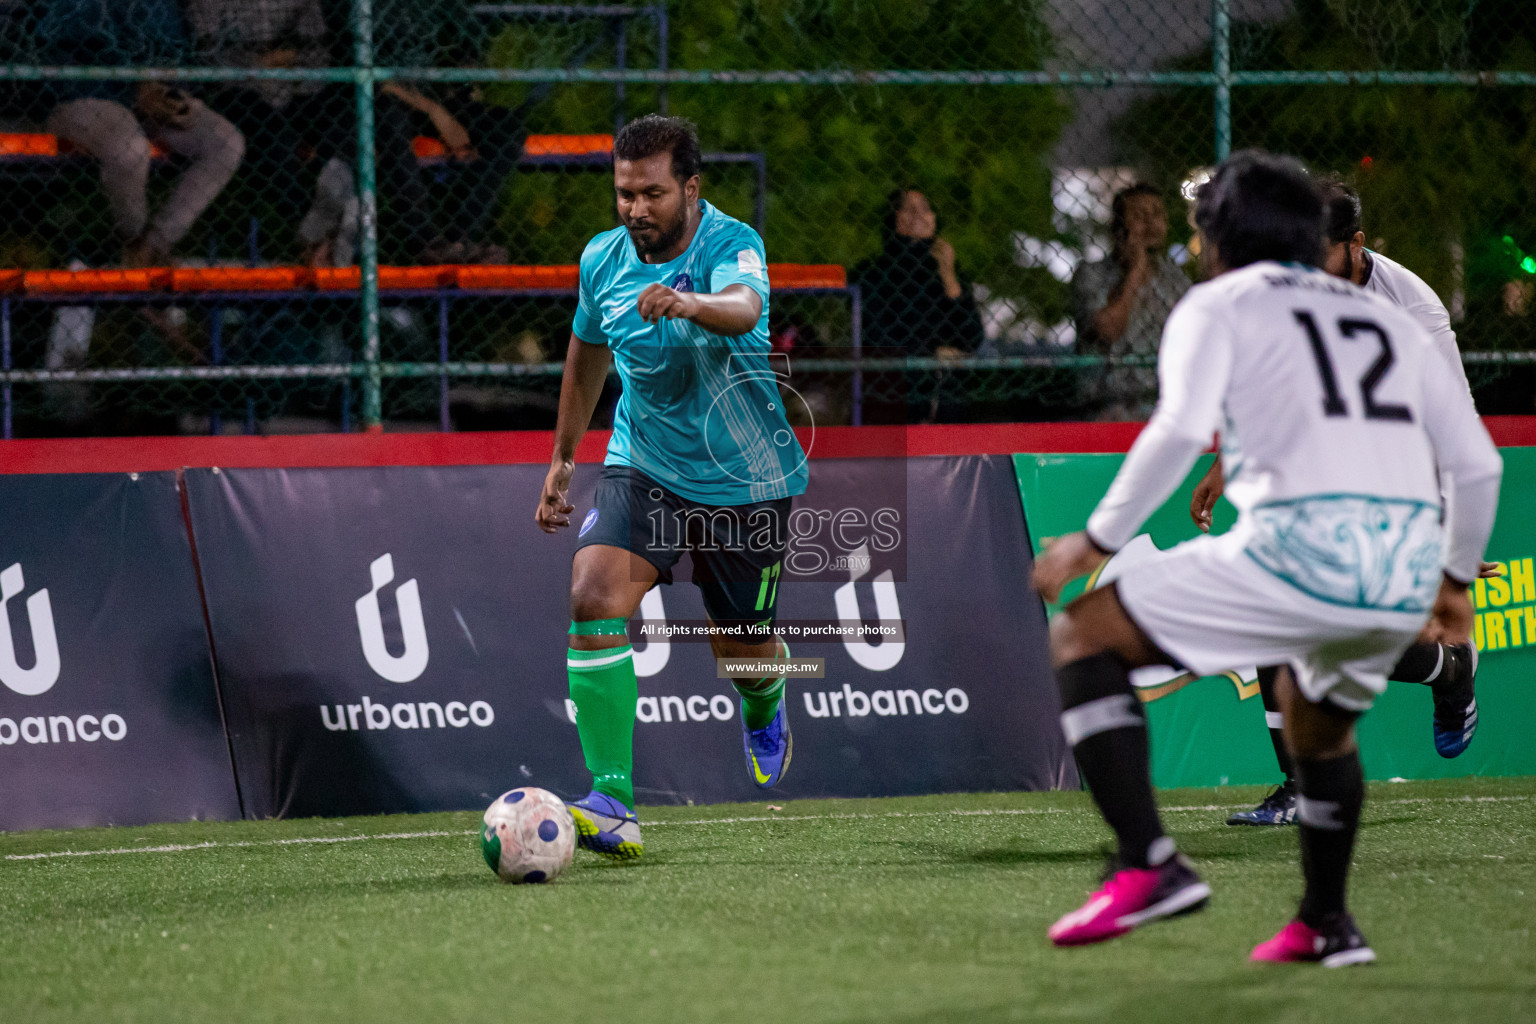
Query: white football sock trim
(1117, 711)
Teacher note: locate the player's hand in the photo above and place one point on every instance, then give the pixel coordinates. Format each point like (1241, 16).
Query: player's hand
(1064, 561)
(659, 302)
(1451, 620)
(1488, 570)
(554, 511)
(1207, 491)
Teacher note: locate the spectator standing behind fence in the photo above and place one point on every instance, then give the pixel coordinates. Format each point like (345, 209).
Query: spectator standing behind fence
(1121, 302)
(115, 121)
(915, 300)
(291, 127)
(483, 140)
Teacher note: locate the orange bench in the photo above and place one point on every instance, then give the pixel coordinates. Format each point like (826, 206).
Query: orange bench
(89, 282)
(791, 276)
(430, 150)
(42, 146)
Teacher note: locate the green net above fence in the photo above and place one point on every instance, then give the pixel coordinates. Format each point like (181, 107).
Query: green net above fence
(956, 163)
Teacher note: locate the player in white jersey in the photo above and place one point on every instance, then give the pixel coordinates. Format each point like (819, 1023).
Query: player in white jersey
(1338, 430)
(1449, 670)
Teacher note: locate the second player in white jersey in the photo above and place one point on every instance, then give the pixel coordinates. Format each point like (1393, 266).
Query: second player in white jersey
(1347, 257)
(1340, 428)
(1449, 670)
(1236, 356)
(1409, 292)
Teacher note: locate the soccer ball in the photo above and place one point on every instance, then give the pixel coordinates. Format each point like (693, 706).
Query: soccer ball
(528, 836)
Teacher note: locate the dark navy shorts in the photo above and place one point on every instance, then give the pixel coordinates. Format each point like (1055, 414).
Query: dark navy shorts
(737, 550)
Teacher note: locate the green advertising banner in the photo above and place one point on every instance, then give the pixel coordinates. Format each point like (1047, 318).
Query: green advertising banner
(1210, 732)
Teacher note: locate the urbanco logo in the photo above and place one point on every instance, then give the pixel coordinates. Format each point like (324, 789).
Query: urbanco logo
(39, 679)
(412, 662)
(29, 682)
(658, 649)
(879, 657)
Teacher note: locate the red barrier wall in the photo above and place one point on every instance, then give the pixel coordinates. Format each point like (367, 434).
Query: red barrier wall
(145, 454)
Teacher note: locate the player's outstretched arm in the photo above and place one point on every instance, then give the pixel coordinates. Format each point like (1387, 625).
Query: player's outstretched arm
(732, 311)
(586, 367)
(1193, 367)
(1470, 473)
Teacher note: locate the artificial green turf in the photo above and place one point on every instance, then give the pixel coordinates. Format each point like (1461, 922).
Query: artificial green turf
(872, 910)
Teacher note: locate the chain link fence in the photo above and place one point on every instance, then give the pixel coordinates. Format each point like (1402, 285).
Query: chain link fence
(289, 215)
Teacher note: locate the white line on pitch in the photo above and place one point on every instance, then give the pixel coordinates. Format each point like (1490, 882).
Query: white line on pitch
(180, 848)
(978, 812)
(986, 812)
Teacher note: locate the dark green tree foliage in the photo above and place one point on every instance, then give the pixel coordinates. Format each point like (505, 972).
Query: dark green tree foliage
(1437, 166)
(833, 152)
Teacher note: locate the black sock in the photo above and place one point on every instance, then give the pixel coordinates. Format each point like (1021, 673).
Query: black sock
(1328, 813)
(1267, 679)
(1107, 728)
(1423, 663)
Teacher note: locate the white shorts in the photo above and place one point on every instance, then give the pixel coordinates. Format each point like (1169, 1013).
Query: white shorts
(1211, 606)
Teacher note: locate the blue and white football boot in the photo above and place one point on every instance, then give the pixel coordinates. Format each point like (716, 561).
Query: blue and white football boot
(1278, 808)
(1456, 702)
(607, 827)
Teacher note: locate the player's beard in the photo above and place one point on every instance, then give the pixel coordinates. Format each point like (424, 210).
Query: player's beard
(667, 235)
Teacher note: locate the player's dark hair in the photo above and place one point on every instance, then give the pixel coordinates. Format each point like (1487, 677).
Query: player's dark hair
(1341, 205)
(652, 134)
(1261, 206)
(1119, 233)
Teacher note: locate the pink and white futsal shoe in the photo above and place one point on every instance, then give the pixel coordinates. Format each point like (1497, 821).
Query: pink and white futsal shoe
(1338, 944)
(1132, 897)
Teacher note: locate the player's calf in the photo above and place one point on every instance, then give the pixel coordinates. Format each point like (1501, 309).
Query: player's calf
(1106, 726)
(1330, 795)
(604, 691)
(767, 742)
(1451, 673)
(1279, 806)
(1107, 729)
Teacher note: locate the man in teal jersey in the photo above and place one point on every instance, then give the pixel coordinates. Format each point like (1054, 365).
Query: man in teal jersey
(702, 459)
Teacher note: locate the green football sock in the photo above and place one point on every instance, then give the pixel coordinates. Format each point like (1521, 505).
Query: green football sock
(760, 702)
(605, 693)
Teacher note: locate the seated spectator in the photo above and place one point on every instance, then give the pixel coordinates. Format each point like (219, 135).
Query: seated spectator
(453, 224)
(292, 128)
(115, 121)
(483, 143)
(915, 301)
(1121, 302)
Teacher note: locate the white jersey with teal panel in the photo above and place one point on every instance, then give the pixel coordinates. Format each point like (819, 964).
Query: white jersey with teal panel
(1337, 421)
(700, 413)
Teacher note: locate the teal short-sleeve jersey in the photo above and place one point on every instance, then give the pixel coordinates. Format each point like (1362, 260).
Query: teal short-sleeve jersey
(700, 413)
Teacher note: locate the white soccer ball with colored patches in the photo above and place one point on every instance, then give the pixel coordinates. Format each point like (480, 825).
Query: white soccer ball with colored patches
(527, 836)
